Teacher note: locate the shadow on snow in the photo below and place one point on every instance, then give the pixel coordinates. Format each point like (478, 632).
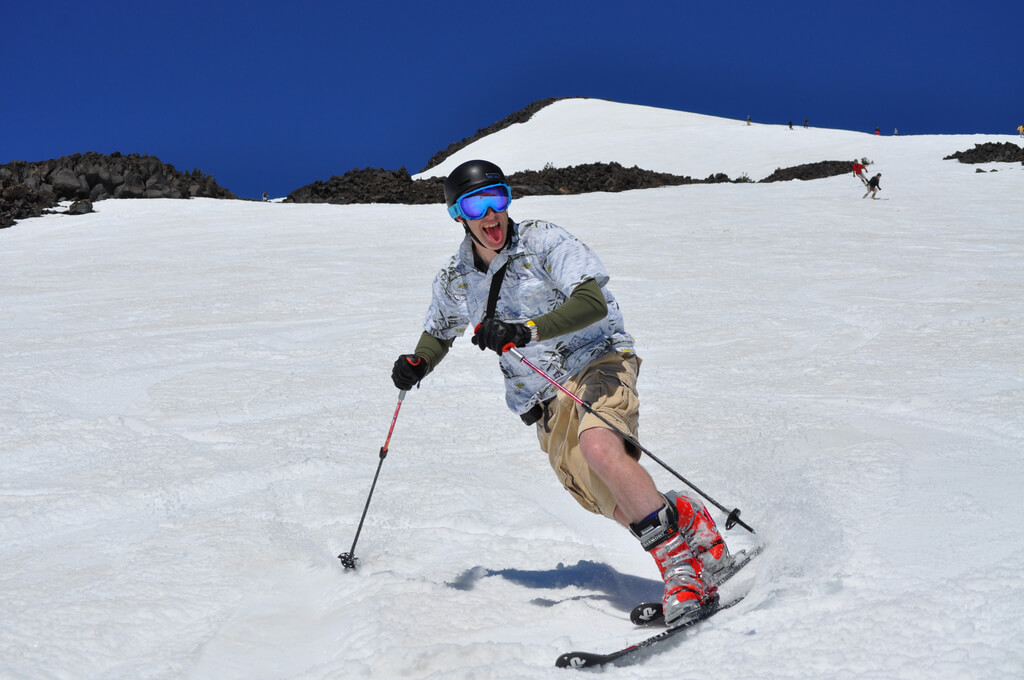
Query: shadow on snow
(622, 591)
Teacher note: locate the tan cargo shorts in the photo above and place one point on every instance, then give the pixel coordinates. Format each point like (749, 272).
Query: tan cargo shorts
(608, 384)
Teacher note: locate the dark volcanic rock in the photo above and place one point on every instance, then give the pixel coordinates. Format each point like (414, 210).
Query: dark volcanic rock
(372, 185)
(610, 177)
(990, 152)
(66, 184)
(18, 201)
(31, 189)
(82, 207)
(819, 170)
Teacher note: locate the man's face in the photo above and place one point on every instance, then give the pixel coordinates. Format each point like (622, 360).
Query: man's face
(491, 229)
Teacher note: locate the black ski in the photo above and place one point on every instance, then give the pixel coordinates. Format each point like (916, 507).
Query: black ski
(650, 613)
(590, 659)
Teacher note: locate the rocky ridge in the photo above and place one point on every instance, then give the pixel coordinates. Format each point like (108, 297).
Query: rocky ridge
(990, 152)
(30, 189)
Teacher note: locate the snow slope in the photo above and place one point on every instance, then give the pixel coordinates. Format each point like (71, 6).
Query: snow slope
(195, 393)
(575, 131)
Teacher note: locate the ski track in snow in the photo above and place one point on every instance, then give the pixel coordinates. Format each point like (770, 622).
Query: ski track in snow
(196, 393)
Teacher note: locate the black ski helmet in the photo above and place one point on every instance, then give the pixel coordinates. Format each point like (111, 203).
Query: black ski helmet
(471, 175)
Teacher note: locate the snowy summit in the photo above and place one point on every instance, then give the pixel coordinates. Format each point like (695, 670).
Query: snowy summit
(196, 392)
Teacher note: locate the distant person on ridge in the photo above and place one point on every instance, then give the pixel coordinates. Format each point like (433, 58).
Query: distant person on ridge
(534, 286)
(873, 187)
(878, 131)
(858, 172)
(1020, 130)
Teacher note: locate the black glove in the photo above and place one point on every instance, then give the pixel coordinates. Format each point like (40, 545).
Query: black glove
(408, 371)
(495, 335)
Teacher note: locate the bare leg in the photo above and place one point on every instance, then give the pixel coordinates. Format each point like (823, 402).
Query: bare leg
(635, 494)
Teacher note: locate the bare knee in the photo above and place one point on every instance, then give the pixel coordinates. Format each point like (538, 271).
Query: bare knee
(601, 447)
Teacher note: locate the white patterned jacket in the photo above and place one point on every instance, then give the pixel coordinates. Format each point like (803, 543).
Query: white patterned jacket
(547, 263)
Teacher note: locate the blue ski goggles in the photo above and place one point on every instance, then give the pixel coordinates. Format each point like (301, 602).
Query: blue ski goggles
(475, 204)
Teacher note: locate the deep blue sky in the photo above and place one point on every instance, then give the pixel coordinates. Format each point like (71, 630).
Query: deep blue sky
(272, 96)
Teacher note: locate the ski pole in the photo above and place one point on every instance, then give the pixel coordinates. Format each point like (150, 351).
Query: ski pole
(348, 559)
(732, 517)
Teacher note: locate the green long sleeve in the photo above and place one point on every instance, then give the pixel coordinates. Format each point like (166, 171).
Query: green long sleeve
(586, 305)
(432, 349)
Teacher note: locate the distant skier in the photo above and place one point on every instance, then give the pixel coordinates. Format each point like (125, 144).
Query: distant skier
(1020, 130)
(858, 172)
(873, 187)
(532, 285)
(878, 131)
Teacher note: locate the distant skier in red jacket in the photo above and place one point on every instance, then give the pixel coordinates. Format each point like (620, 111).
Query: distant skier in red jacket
(858, 172)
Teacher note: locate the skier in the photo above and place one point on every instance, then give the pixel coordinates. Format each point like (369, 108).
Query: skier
(873, 187)
(858, 172)
(1020, 130)
(534, 285)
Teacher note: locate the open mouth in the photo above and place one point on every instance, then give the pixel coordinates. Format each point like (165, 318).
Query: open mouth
(493, 233)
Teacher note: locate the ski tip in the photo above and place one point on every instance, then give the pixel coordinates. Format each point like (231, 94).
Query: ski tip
(578, 660)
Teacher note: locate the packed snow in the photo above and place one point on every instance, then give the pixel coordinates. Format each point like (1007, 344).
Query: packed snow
(196, 394)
